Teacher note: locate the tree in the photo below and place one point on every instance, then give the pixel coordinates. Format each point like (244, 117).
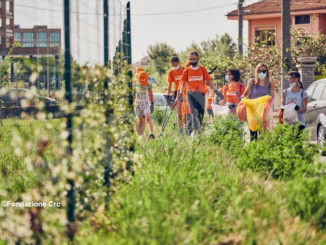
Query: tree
(159, 56)
(223, 45)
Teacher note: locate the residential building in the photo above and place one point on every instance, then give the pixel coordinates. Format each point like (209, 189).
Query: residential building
(36, 41)
(265, 19)
(39, 40)
(6, 24)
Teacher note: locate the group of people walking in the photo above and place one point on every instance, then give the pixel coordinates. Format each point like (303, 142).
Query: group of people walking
(190, 97)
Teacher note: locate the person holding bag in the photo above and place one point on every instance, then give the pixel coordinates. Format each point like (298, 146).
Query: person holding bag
(295, 94)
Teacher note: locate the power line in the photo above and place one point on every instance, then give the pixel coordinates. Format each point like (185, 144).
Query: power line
(185, 11)
(135, 14)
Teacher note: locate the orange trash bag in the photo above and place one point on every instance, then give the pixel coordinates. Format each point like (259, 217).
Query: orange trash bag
(259, 112)
(242, 112)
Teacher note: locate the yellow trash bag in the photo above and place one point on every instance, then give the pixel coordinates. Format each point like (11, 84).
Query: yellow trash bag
(259, 112)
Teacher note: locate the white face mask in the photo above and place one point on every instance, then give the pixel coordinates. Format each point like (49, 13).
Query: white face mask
(292, 85)
(227, 78)
(176, 67)
(262, 75)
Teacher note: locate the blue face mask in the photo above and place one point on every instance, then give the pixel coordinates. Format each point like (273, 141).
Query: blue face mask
(227, 78)
(261, 75)
(292, 85)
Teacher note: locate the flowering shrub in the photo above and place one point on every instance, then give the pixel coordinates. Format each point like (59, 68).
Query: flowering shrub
(102, 148)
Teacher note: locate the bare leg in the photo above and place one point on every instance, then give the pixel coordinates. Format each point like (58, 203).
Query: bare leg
(150, 124)
(141, 126)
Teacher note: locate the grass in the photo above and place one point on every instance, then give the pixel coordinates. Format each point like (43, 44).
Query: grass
(15, 178)
(185, 191)
(188, 191)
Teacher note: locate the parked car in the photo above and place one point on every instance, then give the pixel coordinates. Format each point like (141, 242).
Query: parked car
(316, 110)
(160, 101)
(23, 97)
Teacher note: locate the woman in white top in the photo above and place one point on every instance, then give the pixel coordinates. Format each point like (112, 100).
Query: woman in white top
(296, 94)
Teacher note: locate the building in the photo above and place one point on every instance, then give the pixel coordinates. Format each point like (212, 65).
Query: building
(6, 24)
(265, 19)
(37, 41)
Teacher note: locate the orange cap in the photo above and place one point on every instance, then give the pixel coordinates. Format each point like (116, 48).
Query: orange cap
(142, 78)
(139, 69)
(210, 100)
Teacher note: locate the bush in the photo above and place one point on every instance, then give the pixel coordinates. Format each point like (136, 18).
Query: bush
(158, 116)
(307, 198)
(228, 132)
(281, 154)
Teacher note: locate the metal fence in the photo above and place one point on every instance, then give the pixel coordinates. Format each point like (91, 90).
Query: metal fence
(99, 33)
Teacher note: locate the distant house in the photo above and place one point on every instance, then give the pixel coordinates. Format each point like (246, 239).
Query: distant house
(143, 62)
(265, 24)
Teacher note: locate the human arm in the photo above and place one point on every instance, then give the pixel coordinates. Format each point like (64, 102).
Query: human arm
(273, 90)
(304, 108)
(246, 93)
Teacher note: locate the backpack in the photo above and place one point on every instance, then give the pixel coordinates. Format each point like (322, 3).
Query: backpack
(238, 93)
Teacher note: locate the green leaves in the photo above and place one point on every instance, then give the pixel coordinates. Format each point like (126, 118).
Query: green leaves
(282, 153)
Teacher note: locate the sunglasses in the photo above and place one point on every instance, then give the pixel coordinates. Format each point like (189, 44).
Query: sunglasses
(262, 71)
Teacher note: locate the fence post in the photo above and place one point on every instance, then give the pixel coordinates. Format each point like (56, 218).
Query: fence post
(68, 96)
(106, 38)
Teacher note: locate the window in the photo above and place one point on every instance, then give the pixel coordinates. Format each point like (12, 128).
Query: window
(17, 37)
(8, 42)
(42, 40)
(302, 19)
(28, 39)
(54, 39)
(318, 91)
(265, 37)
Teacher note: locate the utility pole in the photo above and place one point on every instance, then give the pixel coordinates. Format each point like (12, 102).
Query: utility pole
(240, 37)
(286, 42)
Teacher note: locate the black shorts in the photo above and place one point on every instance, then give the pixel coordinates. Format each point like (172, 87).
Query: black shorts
(210, 112)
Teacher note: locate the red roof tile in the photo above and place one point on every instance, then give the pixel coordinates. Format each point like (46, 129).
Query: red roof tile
(275, 6)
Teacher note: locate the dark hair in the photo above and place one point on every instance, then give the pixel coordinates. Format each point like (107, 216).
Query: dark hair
(296, 74)
(174, 58)
(235, 73)
(194, 52)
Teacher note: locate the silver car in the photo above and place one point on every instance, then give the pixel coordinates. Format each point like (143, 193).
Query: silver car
(316, 110)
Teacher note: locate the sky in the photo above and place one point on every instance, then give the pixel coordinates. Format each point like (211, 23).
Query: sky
(150, 23)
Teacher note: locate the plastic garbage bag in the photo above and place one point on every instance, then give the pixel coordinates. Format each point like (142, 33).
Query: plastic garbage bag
(259, 112)
(242, 112)
(290, 115)
(220, 110)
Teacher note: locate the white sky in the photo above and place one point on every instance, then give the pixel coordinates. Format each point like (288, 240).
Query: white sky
(178, 30)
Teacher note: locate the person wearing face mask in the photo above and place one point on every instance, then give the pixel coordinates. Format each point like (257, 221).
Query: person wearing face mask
(196, 77)
(258, 87)
(233, 90)
(297, 95)
(175, 77)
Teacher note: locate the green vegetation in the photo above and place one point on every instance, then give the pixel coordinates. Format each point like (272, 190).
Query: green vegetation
(187, 191)
(288, 153)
